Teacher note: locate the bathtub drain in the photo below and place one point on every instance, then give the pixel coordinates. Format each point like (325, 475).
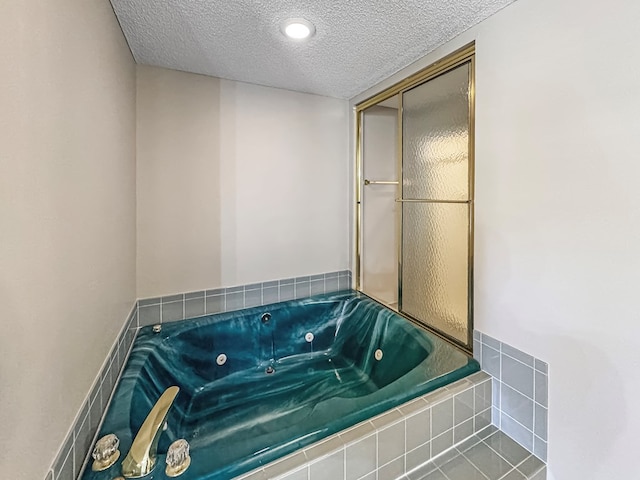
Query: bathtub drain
(269, 370)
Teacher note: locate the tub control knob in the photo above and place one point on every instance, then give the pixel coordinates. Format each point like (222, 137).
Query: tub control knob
(105, 453)
(178, 459)
(222, 359)
(309, 337)
(378, 354)
(265, 317)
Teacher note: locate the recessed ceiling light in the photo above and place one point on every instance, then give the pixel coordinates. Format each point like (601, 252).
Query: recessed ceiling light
(298, 28)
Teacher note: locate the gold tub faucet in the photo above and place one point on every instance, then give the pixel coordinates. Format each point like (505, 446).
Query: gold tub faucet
(141, 458)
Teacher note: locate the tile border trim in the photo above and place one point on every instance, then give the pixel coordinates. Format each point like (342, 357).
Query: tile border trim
(76, 445)
(175, 307)
(419, 447)
(520, 401)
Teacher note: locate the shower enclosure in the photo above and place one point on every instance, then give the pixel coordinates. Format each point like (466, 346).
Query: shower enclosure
(414, 197)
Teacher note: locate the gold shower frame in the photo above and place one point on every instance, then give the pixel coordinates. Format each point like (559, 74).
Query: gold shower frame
(451, 61)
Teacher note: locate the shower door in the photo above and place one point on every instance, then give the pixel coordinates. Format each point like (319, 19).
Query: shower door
(437, 204)
(415, 197)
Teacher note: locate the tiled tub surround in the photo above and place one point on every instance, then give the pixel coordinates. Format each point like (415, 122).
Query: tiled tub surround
(80, 438)
(394, 443)
(520, 387)
(206, 302)
(238, 417)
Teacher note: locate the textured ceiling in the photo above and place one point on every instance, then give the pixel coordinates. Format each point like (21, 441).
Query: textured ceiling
(357, 42)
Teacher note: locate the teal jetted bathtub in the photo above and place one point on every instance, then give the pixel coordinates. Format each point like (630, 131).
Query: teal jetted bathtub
(256, 387)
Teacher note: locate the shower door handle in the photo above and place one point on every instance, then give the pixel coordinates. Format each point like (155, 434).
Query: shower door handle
(426, 200)
(380, 182)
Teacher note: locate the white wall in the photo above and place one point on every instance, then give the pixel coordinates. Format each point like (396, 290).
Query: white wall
(558, 217)
(284, 183)
(67, 216)
(237, 183)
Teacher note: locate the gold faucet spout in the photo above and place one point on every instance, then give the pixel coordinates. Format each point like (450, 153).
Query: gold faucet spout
(141, 458)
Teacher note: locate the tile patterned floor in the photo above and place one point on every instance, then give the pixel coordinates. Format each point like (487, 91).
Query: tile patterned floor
(489, 455)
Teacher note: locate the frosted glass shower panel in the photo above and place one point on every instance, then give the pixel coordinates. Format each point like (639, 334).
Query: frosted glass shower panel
(435, 140)
(380, 211)
(435, 266)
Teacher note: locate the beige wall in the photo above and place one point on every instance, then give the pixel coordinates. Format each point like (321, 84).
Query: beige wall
(178, 175)
(237, 183)
(67, 216)
(557, 230)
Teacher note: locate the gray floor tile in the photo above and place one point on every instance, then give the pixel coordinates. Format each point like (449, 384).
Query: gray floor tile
(541, 475)
(461, 469)
(435, 475)
(446, 457)
(493, 457)
(531, 466)
(485, 432)
(428, 468)
(488, 461)
(509, 449)
(468, 443)
(514, 475)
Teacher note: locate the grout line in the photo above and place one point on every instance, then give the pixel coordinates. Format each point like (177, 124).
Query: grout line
(525, 459)
(476, 466)
(527, 429)
(520, 361)
(498, 453)
(513, 469)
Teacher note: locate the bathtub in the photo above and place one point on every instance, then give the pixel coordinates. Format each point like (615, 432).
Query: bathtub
(306, 370)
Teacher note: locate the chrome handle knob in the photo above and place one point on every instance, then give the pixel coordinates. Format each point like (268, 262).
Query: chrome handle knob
(178, 459)
(105, 452)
